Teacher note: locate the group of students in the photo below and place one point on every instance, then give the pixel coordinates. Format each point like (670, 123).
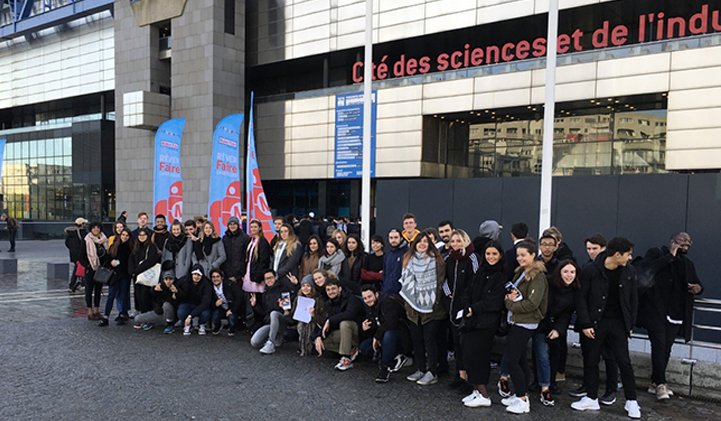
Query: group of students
(432, 291)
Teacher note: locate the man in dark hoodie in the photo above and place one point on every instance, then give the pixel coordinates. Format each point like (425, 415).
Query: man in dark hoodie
(344, 312)
(160, 232)
(383, 329)
(194, 296)
(228, 302)
(393, 263)
(666, 304)
(234, 241)
(75, 242)
(165, 304)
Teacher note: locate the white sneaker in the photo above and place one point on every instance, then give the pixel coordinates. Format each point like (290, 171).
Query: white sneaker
(520, 406)
(186, 330)
(268, 348)
(478, 401)
(201, 330)
(634, 411)
(471, 396)
(586, 404)
(509, 400)
(662, 392)
(652, 389)
(415, 376)
(427, 379)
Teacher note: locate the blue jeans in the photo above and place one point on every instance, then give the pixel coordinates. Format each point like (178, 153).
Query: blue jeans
(542, 360)
(219, 314)
(186, 308)
(113, 294)
(389, 347)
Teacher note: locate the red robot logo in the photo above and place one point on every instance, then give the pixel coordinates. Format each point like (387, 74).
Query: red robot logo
(173, 207)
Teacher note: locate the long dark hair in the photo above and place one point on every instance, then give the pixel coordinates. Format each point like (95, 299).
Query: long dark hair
(319, 252)
(138, 244)
(116, 243)
(432, 250)
(359, 251)
(557, 281)
(496, 245)
(335, 243)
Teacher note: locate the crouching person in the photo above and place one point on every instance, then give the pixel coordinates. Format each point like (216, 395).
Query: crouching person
(339, 333)
(165, 303)
(227, 302)
(194, 295)
(383, 329)
(269, 308)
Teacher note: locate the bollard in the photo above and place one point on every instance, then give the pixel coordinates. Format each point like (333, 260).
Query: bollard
(8, 266)
(58, 270)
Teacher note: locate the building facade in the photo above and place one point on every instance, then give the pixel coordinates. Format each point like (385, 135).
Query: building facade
(459, 94)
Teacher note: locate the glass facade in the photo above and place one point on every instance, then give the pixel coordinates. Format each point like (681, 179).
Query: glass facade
(59, 161)
(601, 136)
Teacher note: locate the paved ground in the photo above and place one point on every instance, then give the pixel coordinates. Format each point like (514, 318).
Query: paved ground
(57, 365)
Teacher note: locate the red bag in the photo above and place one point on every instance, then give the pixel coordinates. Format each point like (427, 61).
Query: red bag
(79, 270)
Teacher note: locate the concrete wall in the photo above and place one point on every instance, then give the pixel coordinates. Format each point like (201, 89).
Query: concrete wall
(77, 60)
(299, 28)
(207, 82)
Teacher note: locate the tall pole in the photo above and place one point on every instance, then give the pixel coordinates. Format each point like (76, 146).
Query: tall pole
(548, 118)
(367, 91)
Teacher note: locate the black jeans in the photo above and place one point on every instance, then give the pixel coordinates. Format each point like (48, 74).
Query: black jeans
(608, 359)
(11, 238)
(425, 345)
(661, 338)
(556, 353)
(458, 349)
(478, 343)
(90, 288)
(516, 360)
(611, 331)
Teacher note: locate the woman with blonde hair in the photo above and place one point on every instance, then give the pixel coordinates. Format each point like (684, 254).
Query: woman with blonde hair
(286, 256)
(341, 237)
(422, 287)
(257, 254)
(208, 251)
(461, 266)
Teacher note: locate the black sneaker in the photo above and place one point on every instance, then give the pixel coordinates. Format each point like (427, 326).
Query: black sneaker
(103, 322)
(503, 388)
(608, 398)
(546, 398)
(578, 393)
(456, 383)
(554, 389)
(216, 329)
(231, 331)
(383, 375)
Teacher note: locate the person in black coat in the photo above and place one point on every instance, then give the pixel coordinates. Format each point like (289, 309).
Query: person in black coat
(144, 256)
(666, 300)
(606, 305)
(355, 255)
(165, 303)
(343, 314)
(270, 309)
(563, 285)
(75, 242)
(257, 255)
(461, 266)
(227, 302)
(482, 304)
(195, 295)
(384, 329)
(235, 242)
(120, 289)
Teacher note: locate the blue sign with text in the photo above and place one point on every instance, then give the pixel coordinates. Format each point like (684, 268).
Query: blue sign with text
(349, 135)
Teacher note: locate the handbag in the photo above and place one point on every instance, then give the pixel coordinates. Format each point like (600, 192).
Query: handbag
(149, 277)
(79, 270)
(104, 275)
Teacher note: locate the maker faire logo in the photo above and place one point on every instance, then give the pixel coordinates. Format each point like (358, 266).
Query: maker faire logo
(228, 142)
(169, 144)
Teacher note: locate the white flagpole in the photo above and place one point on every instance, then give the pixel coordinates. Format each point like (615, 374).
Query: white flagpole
(548, 118)
(367, 92)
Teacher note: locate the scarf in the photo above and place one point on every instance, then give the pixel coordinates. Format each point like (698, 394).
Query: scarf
(419, 282)
(279, 250)
(175, 244)
(457, 255)
(91, 246)
(333, 263)
(205, 247)
(221, 296)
